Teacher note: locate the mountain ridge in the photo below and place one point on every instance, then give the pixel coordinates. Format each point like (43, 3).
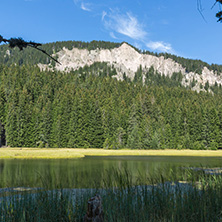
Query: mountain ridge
(126, 59)
(123, 57)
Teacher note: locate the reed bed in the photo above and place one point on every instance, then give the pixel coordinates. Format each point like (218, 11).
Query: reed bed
(196, 197)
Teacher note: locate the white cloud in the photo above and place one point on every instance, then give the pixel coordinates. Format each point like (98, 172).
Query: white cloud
(137, 45)
(125, 24)
(128, 25)
(159, 46)
(113, 35)
(85, 6)
(104, 13)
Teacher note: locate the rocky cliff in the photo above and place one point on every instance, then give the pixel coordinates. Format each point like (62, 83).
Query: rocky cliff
(125, 59)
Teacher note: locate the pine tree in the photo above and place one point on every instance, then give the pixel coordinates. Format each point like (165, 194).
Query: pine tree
(134, 130)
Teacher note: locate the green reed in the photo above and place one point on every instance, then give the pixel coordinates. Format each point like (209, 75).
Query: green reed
(124, 198)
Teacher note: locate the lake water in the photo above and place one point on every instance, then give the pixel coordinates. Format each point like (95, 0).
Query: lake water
(88, 171)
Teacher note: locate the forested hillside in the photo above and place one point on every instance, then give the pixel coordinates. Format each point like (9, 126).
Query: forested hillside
(30, 56)
(89, 108)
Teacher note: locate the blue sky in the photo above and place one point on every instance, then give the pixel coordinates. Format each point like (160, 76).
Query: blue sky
(170, 26)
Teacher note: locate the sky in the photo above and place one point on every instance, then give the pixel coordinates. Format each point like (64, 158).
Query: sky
(185, 28)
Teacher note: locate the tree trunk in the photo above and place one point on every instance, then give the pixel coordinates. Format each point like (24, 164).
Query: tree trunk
(94, 211)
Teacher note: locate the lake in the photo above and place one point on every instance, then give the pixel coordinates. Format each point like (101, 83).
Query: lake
(89, 171)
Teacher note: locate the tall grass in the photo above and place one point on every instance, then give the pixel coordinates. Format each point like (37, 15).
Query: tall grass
(124, 198)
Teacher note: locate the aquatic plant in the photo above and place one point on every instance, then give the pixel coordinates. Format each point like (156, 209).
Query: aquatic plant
(124, 199)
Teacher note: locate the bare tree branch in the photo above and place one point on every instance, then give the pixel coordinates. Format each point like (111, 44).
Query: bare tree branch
(218, 15)
(200, 9)
(21, 44)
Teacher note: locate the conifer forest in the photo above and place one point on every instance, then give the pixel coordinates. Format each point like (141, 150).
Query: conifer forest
(89, 108)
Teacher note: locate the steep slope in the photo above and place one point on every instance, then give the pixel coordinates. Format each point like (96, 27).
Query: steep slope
(122, 57)
(125, 59)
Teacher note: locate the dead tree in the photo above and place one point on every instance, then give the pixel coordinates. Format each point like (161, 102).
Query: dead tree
(95, 211)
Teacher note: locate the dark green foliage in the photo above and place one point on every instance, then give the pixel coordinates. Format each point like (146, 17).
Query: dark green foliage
(138, 77)
(21, 44)
(219, 16)
(207, 85)
(18, 42)
(89, 108)
(154, 78)
(31, 56)
(193, 83)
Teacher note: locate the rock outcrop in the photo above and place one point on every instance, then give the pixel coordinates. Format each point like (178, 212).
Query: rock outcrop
(125, 59)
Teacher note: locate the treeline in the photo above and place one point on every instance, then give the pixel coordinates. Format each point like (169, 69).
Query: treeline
(89, 108)
(30, 56)
(190, 65)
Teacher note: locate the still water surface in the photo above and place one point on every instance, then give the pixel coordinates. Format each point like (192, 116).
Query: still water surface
(83, 173)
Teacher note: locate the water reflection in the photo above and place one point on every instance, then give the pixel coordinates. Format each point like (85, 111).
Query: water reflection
(91, 171)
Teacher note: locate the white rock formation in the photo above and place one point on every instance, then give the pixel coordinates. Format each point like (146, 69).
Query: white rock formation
(126, 59)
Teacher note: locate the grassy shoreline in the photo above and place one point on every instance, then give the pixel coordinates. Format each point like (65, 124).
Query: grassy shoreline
(71, 153)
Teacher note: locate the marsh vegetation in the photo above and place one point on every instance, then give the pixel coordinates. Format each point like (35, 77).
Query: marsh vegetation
(158, 191)
(156, 198)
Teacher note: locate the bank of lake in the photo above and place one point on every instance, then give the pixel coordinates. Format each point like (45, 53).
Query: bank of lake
(69, 153)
